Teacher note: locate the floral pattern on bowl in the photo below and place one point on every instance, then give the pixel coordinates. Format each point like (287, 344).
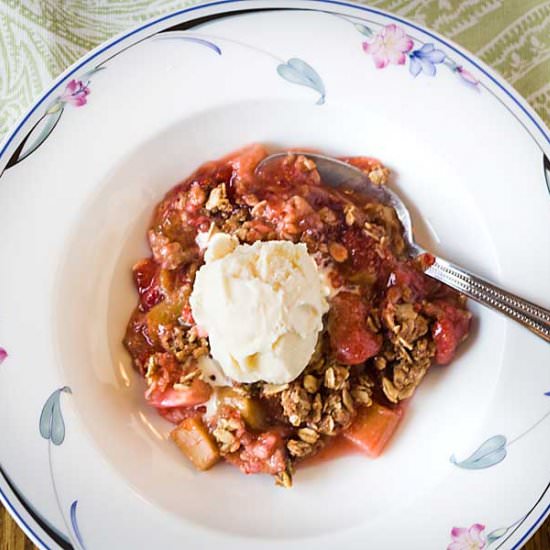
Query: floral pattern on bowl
(468, 538)
(495, 449)
(392, 46)
(52, 428)
(475, 538)
(76, 94)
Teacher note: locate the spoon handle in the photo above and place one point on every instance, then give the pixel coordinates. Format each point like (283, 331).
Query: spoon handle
(535, 318)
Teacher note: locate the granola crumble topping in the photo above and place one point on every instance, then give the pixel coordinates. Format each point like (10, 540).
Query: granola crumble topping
(387, 325)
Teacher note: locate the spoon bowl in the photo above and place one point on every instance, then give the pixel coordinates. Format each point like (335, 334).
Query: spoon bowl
(338, 174)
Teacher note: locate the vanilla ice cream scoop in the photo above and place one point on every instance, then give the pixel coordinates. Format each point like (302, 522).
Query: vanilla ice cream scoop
(262, 306)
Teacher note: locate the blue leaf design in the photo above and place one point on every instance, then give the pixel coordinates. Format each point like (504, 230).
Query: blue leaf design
(51, 424)
(74, 523)
(488, 454)
(548, 392)
(496, 534)
(299, 72)
(86, 76)
(44, 127)
(181, 36)
(40, 132)
(203, 42)
(363, 29)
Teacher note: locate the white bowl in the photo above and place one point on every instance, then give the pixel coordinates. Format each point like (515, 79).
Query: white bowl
(468, 158)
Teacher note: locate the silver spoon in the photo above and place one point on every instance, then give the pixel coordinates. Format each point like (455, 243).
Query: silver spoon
(336, 173)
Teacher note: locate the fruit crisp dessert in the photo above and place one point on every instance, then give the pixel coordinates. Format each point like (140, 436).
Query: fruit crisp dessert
(278, 316)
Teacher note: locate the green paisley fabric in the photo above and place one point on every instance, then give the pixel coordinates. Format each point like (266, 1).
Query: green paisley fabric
(40, 38)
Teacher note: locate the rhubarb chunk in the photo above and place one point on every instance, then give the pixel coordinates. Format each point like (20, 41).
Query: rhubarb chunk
(192, 437)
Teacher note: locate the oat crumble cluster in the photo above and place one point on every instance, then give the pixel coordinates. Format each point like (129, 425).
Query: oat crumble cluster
(387, 322)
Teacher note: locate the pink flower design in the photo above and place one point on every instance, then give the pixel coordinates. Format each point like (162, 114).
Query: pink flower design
(468, 539)
(75, 93)
(467, 76)
(3, 355)
(389, 46)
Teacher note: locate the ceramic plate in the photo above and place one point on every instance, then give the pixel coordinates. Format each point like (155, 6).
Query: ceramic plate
(85, 463)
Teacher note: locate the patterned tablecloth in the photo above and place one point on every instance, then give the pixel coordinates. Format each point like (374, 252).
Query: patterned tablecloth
(40, 38)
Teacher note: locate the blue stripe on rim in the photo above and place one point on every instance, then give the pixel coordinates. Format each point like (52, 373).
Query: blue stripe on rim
(527, 534)
(14, 512)
(87, 59)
